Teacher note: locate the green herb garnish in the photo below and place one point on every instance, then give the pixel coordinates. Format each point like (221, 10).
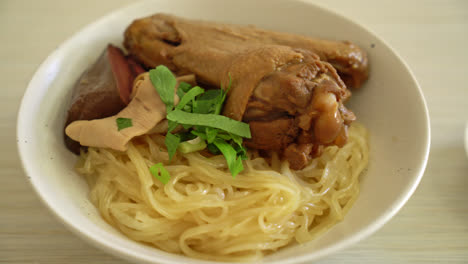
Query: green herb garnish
(193, 145)
(184, 87)
(208, 102)
(189, 96)
(160, 173)
(219, 105)
(198, 112)
(172, 142)
(234, 162)
(211, 134)
(164, 82)
(123, 123)
(210, 120)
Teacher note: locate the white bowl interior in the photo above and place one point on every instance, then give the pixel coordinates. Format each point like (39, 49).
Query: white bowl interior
(390, 105)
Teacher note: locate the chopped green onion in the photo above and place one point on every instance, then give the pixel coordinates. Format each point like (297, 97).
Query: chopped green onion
(123, 123)
(193, 145)
(160, 173)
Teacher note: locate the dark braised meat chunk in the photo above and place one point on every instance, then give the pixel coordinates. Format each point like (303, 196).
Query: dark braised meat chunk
(102, 90)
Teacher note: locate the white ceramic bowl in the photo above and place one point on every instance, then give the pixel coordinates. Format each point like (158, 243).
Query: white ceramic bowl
(466, 139)
(390, 105)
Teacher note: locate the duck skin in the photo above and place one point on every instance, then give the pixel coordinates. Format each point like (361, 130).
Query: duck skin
(155, 39)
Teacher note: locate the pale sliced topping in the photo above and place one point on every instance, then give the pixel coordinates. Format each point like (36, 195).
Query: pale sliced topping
(146, 110)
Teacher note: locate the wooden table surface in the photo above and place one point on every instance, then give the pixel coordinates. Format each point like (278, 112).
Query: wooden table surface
(432, 36)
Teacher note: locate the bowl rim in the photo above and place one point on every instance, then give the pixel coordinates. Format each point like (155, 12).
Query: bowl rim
(466, 139)
(125, 253)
